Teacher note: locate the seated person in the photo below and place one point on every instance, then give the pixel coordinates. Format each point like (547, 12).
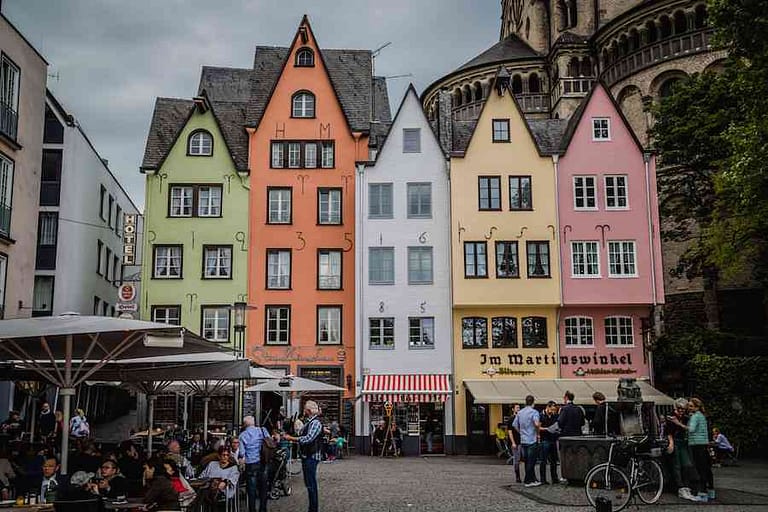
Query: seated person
(78, 489)
(51, 482)
(223, 473)
(110, 484)
(160, 492)
(179, 483)
(7, 475)
(378, 437)
(501, 439)
(723, 447)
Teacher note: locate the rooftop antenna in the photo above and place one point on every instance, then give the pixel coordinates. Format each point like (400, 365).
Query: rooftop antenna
(54, 76)
(375, 53)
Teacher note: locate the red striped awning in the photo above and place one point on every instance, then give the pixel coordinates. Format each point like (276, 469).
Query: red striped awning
(406, 388)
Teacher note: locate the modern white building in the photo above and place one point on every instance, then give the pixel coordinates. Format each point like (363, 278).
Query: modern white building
(403, 298)
(80, 237)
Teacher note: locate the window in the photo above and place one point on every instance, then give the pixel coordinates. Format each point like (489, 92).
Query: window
(108, 260)
(167, 314)
(579, 331)
(200, 143)
(3, 277)
(50, 177)
(584, 193)
(217, 262)
(329, 263)
(411, 140)
(181, 201)
(47, 235)
(302, 154)
(475, 259)
(278, 155)
(278, 269)
(616, 197)
(310, 156)
(621, 259)
(278, 325)
(9, 86)
(585, 260)
(109, 210)
(619, 331)
(116, 270)
(294, 155)
(279, 205)
(501, 130)
(489, 193)
(504, 332)
(53, 132)
(534, 332)
(209, 201)
(303, 104)
(96, 305)
(118, 220)
(215, 323)
(329, 325)
(538, 259)
(507, 264)
(381, 265)
(381, 332)
(474, 332)
(419, 265)
(601, 129)
(329, 206)
(419, 200)
(520, 193)
(379, 200)
(99, 260)
(102, 194)
(327, 154)
(168, 261)
(104, 308)
(6, 195)
(42, 296)
(421, 332)
(305, 58)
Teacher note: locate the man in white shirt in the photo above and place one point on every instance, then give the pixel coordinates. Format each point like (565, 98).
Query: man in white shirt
(527, 422)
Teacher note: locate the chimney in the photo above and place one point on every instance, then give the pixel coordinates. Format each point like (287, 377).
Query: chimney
(445, 119)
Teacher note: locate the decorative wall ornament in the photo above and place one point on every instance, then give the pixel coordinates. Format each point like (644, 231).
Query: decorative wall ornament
(490, 232)
(349, 241)
(302, 178)
(461, 230)
(423, 237)
(300, 237)
(345, 180)
(522, 230)
(151, 236)
(240, 237)
(566, 229)
(552, 229)
(228, 178)
(160, 178)
(192, 297)
(603, 228)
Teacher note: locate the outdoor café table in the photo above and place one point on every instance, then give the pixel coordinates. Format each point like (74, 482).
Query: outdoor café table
(40, 507)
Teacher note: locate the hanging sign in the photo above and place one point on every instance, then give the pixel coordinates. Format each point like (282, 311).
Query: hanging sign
(129, 239)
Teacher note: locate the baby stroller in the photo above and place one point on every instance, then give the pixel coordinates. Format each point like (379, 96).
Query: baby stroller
(279, 477)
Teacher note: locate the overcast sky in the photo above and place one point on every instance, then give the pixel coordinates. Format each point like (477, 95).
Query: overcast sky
(113, 57)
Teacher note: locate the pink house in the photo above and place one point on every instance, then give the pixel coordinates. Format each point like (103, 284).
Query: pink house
(609, 244)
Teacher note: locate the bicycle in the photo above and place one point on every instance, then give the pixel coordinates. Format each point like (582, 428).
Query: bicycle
(619, 482)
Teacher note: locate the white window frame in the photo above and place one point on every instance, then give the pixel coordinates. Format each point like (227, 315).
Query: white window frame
(9, 85)
(3, 277)
(585, 188)
(426, 326)
(615, 188)
(283, 317)
(623, 256)
(182, 199)
(327, 154)
(310, 155)
(220, 320)
(329, 269)
(209, 206)
(584, 334)
(380, 190)
(303, 105)
(619, 334)
(167, 316)
(305, 58)
(331, 316)
(164, 262)
(478, 258)
(411, 140)
(277, 155)
(294, 155)
(280, 207)
(200, 144)
(381, 250)
(221, 257)
(420, 261)
(598, 136)
(422, 195)
(378, 336)
(278, 269)
(579, 248)
(326, 213)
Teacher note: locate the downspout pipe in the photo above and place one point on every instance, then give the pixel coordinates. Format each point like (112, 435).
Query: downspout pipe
(652, 249)
(454, 384)
(556, 167)
(360, 297)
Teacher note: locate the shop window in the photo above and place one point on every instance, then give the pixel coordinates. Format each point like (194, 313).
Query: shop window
(579, 331)
(504, 332)
(474, 332)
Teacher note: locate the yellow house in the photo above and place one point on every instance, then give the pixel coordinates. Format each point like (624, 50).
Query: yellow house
(506, 275)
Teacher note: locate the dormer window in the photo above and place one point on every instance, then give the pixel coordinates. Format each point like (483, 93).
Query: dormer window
(200, 144)
(303, 104)
(305, 58)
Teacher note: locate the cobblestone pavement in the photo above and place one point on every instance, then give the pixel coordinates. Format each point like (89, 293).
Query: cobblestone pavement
(364, 484)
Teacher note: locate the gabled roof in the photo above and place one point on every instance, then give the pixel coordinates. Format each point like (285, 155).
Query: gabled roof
(509, 48)
(168, 119)
(548, 134)
(411, 90)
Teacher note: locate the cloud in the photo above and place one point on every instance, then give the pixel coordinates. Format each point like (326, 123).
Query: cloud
(114, 57)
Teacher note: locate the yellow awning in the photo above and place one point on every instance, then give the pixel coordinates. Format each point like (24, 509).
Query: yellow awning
(498, 391)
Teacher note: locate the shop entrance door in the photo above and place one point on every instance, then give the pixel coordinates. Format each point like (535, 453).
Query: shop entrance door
(432, 426)
(477, 427)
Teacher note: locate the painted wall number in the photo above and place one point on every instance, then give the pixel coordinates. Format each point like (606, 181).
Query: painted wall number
(423, 237)
(381, 307)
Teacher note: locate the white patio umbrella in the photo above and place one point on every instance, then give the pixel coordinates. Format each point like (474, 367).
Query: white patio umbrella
(295, 384)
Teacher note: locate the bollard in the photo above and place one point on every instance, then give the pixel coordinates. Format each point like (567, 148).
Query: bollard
(603, 505)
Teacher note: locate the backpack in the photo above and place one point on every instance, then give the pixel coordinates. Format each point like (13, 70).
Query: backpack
(268, 447)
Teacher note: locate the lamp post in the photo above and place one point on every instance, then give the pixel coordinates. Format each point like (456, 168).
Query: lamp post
(239, 351)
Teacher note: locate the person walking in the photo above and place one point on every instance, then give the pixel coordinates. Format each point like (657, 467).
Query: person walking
(571, 418)
(527, 423)
(514, 442)
(310, 446)
(251, 440)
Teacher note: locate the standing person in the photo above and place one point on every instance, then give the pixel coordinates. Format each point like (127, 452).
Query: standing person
(46, 421)
(571, 418)
(251, 440)
(514, 442)
(527, 423)
(549, 443)
(698, 444)
(310, 442)
(78, 425)
(430, 426)
(677, 448)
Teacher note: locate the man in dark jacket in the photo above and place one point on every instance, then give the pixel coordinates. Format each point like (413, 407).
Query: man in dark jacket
(571, 418)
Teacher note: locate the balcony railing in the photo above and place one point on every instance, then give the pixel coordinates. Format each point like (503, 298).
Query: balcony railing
(5, 220)
(9, 121)
(530, 103)
(571, 88)
(684, 44)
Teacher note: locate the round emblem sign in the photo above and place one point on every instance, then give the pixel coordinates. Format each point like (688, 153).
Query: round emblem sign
(126, 293)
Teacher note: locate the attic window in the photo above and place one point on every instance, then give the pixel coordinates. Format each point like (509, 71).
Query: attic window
(305, 58)
(200, 144)
(303, 104)
(411, 140)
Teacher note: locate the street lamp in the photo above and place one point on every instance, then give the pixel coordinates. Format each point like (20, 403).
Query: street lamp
(239, 325)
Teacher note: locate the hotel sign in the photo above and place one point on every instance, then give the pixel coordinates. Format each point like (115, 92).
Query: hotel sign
(129, 239)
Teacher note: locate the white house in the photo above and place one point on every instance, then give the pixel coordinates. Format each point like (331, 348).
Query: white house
(403, 298)
(80, 235)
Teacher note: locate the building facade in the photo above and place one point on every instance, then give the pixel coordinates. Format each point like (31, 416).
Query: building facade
(403, 286)
(79, 263)
(22, 108)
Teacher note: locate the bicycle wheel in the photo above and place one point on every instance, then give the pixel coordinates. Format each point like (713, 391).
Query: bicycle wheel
(610, 483)
(649, 482)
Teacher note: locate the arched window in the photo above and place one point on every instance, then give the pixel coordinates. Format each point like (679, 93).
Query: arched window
(700, 19)
(303, 104)
(457, 98)
(586, 66)
(527, 27)
(478, 91)
(572, 19)
(200, 144)
(517, 84)
(665, 27)
(681, 22)
(573, 66)
(534, 84)
(668, 87)
(634, 40)
(562, 16)
(606, 60)
(467, 94)
(623, 46)
(650, 28)
(305, 58)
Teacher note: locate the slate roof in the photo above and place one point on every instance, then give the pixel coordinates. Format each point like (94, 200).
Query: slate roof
(510, 48)
(462, 133)
(571, 38)
(548, 134)
(169, 117)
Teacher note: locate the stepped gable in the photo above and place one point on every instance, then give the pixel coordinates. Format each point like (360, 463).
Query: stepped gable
(510, 48)
(168, 119)
(548, 134)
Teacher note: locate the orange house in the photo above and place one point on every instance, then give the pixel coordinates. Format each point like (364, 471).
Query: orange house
(309, 123)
